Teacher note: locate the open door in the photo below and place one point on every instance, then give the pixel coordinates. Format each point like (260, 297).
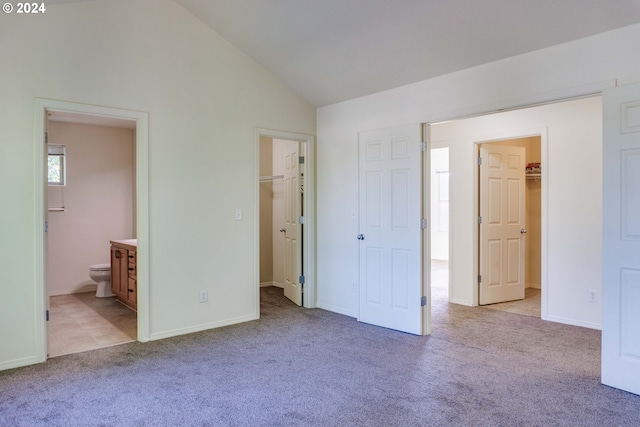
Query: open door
(501, 223)
(390, 204)
(293, 218)
(621, 239)
(45, 234)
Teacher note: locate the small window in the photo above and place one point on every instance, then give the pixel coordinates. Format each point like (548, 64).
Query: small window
(56, 165)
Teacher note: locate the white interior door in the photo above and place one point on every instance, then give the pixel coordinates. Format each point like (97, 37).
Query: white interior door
(292, 201)
(502, 223)
(45, 214)
(621, 239)
(390, 180)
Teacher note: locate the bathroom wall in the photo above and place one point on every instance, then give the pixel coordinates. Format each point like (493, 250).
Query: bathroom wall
(98, 202)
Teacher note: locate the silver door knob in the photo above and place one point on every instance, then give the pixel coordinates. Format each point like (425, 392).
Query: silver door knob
(523, 231)
(360, 236)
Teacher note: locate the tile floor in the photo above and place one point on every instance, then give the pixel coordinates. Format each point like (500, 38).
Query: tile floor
(81, 322)
(529, 306)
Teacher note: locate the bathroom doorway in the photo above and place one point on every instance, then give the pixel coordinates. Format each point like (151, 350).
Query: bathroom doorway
(104, 198)
(90, 202)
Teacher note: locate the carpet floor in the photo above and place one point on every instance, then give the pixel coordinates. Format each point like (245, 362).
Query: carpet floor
(310, 367)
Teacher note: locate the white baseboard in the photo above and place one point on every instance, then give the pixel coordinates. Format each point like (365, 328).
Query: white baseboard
(202, 327)
(338, 310)
(18, 363)
(573, 322)
(91, 287)
(276, 284)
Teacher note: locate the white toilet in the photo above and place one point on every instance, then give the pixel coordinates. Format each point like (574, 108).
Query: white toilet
(101, 273)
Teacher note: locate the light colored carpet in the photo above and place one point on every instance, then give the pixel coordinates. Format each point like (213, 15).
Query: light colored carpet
(301, 367)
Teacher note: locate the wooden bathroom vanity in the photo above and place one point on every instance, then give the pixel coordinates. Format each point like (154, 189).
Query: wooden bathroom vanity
(123, 271)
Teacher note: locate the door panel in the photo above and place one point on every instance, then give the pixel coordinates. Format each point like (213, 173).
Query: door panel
(293, 261)
(390, 210)
(502, 209)
(621, 239)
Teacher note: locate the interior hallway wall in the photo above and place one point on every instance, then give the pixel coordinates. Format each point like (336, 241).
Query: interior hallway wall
(98, 202)
(574, 205)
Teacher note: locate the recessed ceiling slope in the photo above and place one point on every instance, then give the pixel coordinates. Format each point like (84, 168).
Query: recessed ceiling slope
(333, 50)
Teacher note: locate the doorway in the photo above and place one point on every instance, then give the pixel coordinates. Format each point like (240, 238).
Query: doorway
(104, 116)
(285, 221)
(281, 207)
(512, 282)
(85, 212)
(439, 238)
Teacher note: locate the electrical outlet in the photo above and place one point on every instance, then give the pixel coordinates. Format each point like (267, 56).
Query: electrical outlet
(592, 296)
(238, 214)
(204, 295)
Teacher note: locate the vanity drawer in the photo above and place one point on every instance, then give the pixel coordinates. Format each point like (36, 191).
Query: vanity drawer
(132, 257)
(132, 271)
(133, 292)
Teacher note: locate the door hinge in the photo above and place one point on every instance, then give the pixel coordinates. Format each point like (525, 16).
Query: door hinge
(301, 280)
(423, 301)
(423, 146)
(479, 278)
(47, 315)
(479, 219)
(46, 226)
(479, 161)
(46, 137)
(300, 220)
(301, 160)
(423, 223)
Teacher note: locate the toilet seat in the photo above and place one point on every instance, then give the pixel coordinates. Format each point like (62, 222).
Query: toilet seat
(100, 267)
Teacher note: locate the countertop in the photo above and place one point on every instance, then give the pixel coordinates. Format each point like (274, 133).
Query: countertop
(130, 244)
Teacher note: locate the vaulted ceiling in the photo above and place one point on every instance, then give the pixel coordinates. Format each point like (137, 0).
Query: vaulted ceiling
(333, 50)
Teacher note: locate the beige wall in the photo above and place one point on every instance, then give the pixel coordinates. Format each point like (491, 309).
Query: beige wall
(98, 202)
(204, 99)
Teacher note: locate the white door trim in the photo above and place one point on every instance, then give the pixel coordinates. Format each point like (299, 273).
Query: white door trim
(544, 232)
(309, 233)
(142, 206)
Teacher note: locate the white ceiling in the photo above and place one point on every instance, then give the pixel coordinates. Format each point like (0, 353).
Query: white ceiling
(333, 50)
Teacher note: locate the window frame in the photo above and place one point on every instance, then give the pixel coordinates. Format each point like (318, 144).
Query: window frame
(59, 151)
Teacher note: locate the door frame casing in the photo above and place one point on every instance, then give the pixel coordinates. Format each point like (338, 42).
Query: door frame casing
(309, 229)
(42, 106)
(499, 136)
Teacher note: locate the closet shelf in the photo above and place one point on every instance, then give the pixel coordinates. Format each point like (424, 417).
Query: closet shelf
(271, 178)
